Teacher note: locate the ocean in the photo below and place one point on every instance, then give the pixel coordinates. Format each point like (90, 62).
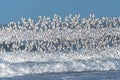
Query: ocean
(72, 49)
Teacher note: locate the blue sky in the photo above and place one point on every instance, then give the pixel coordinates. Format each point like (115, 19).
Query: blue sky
(13, 10)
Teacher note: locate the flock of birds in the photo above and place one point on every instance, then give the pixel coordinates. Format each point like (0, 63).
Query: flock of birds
(57, 34)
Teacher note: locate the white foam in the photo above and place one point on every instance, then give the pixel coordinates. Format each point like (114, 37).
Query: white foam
(97, 52)
(21, 63)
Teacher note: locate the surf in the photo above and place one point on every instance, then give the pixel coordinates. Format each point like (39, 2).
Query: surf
(71, 44)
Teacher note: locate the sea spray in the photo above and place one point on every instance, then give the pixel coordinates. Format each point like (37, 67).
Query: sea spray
(71, 44)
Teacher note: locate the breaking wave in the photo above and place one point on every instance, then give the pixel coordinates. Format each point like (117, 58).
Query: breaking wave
(55, 45)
